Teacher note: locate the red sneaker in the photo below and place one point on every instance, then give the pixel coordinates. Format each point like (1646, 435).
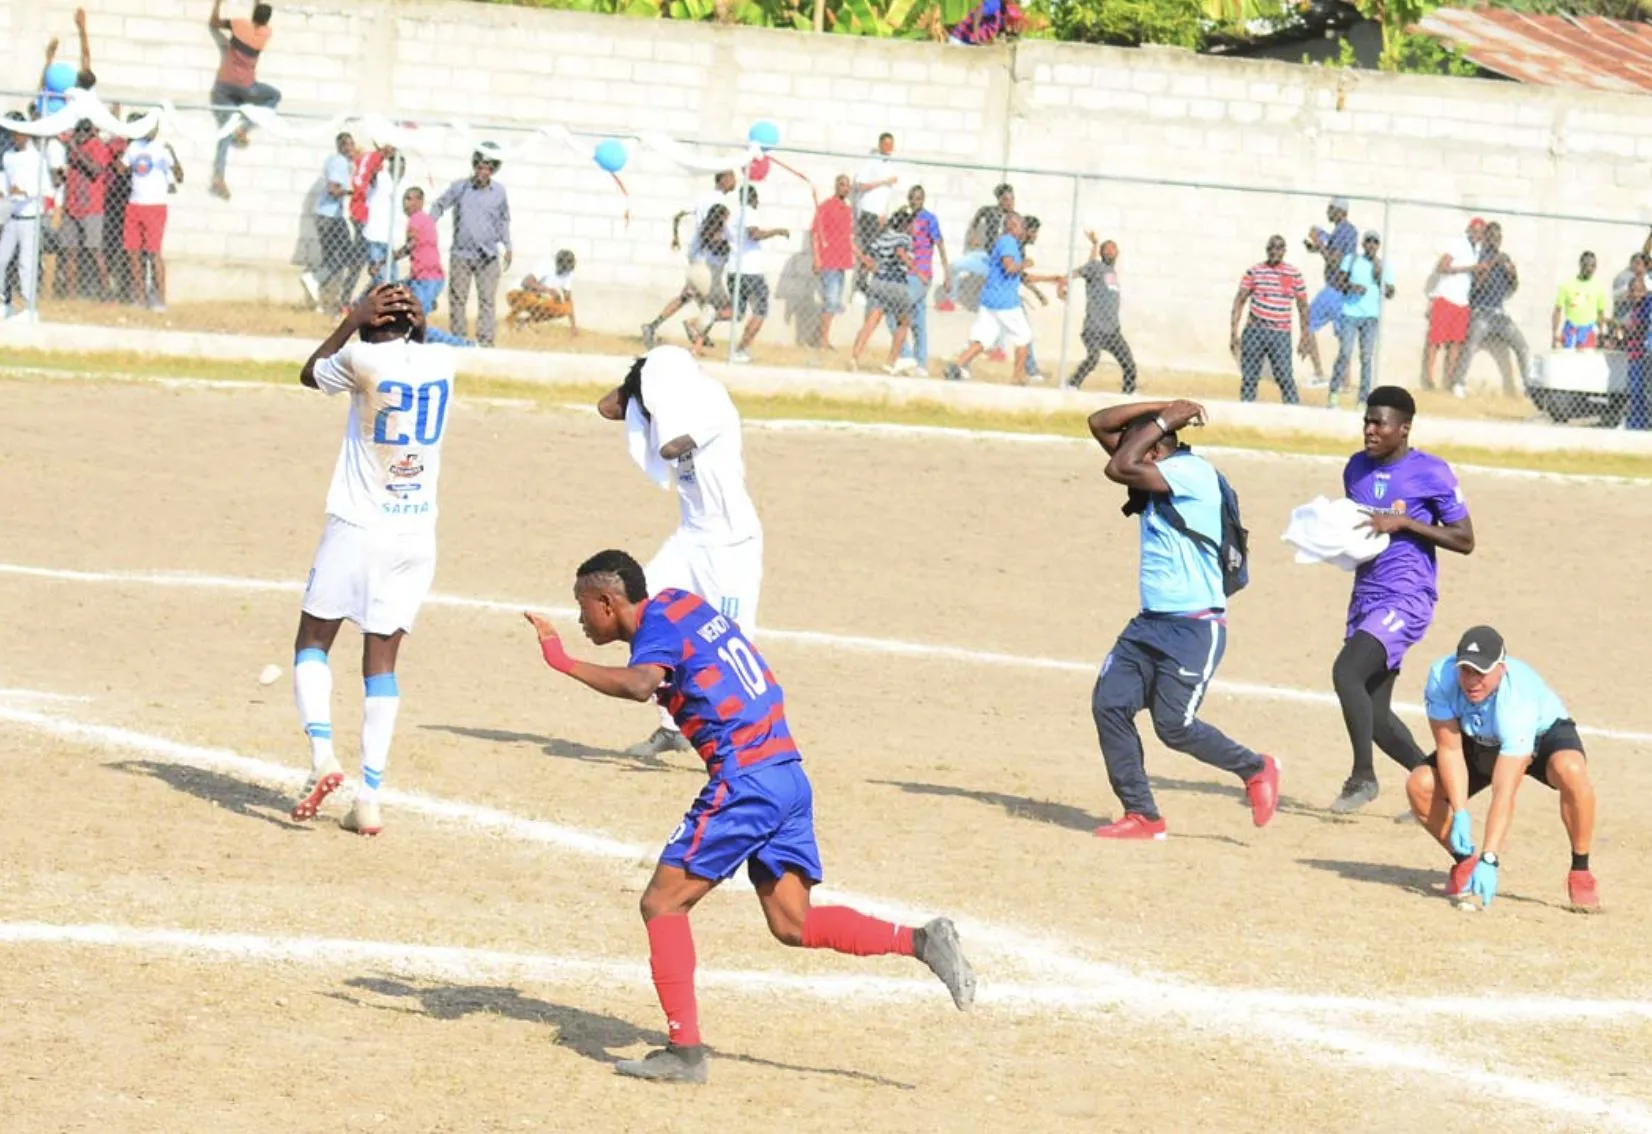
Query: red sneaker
(1581, 892)
(1457, 883)
(1132, 826)
(996, 354)
(1263, 791)
(946, 305)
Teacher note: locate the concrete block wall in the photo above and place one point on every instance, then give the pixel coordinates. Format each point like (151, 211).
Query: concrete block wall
(1296, 134)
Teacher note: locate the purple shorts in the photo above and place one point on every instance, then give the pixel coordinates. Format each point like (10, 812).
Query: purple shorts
(763, 816)
(1398, 623)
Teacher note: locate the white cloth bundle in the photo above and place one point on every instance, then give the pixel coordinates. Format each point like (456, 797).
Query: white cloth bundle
(1333, 531)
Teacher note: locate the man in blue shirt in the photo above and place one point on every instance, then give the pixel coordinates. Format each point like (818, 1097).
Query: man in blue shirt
(1495, 721)
(1365, 280)
(1001, 316)
(1167, 655)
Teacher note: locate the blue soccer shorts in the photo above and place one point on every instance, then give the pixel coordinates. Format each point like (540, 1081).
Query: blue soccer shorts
(763, 816)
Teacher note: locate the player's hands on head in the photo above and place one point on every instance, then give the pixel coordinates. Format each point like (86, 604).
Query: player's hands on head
(385, 304)
(1462, 832)
(1181, 413)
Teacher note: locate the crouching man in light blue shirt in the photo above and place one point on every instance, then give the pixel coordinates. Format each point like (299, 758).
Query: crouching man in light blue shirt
(1495, 721)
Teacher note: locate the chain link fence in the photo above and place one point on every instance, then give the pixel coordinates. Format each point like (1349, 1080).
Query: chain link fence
(870, 261)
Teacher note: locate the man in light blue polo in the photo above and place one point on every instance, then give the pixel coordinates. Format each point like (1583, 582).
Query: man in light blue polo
(1365, 280)
(1168, 654)
(1496, 721)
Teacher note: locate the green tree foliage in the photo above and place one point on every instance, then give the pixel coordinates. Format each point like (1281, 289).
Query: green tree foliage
(848, 17)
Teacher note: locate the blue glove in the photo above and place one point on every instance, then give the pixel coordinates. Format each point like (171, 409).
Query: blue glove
(1462, 832)
(1483, 882)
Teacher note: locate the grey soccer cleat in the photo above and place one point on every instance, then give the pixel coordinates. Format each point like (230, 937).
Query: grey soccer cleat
(662, 741)
(937, 946)
(1356, 793)
(668, 1065)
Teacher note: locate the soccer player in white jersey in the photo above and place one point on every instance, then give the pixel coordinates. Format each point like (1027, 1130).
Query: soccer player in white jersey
(378, 552)
(684, 432)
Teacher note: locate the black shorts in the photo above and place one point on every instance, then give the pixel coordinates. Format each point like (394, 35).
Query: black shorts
(1560, 737)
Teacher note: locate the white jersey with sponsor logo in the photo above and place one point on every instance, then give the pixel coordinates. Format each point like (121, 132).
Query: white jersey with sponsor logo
(391, 459)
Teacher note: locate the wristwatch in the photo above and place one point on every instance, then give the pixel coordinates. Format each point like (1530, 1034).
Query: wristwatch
(1489, 858)
(1159, 421)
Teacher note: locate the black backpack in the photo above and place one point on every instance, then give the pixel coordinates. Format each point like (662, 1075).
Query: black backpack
(1232, 554)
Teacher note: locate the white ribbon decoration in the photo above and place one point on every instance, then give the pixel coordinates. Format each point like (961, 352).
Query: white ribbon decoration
(82, 104)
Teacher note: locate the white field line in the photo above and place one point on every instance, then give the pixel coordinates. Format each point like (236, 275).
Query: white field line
(860, 644)
(1069, 978)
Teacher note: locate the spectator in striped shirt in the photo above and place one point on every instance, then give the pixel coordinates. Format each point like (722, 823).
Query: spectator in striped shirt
(925, 230)
(1270, 288)
(888, 263)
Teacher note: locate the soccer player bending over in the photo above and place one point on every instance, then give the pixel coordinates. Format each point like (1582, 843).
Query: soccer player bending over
(378, 552)
(1495, 722)
(757, 806)
(1413, 498)
(1167, 655)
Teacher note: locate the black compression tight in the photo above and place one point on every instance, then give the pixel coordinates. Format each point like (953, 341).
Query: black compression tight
(1365, 687)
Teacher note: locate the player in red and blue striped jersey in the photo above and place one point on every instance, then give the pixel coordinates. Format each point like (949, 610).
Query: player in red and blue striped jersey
(757, 806)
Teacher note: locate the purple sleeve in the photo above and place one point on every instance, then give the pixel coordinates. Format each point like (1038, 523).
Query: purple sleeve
(1445, 495)
(1348, 478)
(659, 641)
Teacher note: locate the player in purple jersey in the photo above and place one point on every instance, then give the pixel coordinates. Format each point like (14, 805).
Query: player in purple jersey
(1413, 498)
(757, 806)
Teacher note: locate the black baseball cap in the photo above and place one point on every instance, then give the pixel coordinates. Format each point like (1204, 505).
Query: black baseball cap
(1481, 649)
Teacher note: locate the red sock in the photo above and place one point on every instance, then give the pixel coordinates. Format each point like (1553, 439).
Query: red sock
(671, 958)
(850, 931)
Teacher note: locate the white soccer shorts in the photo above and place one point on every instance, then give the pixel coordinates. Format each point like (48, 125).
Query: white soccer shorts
(376, 579)
(1008, 325)
(729, 576)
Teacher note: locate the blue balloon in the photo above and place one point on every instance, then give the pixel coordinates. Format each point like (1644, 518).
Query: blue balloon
(610, 155)
(765, 134)
(60, 77)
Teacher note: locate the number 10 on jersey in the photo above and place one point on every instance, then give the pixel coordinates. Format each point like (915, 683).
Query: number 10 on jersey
(430, 401)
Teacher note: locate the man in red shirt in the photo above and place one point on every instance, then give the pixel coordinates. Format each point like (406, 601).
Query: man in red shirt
(88, 182)
(1270, 287)
(237, 81)
(833, 240)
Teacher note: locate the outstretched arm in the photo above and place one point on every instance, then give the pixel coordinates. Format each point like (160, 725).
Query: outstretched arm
(85, 42)
(51, 54)
(216, 21)
(1506, 775)
(627, 682)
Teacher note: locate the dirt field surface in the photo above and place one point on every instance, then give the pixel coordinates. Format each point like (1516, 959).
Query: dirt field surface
(176, 955)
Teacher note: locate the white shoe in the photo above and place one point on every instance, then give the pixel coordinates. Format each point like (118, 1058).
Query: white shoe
(903, 364)
(312, 287)
(363, 818)
(1459, 391)
(158, 307)
(323, 781)
(741, 356)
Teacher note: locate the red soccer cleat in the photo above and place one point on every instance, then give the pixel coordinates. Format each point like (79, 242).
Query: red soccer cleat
(946, 305)
(1581, 892)
(996, 354)
(1263, 791)
(1132, 826)
(1457, 883)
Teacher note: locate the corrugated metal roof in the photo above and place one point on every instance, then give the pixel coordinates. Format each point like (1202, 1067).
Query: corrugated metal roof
(1561, 51)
